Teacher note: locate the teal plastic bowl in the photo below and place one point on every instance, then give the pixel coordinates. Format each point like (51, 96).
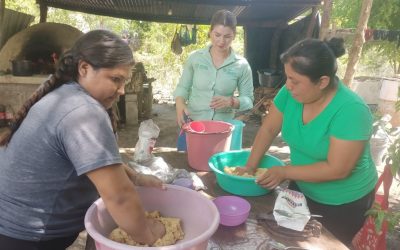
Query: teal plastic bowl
(243, 186)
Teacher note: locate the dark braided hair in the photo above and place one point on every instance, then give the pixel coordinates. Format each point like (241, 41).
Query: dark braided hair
(99, 48)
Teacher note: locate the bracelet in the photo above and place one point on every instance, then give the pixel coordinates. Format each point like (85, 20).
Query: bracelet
(232, 101)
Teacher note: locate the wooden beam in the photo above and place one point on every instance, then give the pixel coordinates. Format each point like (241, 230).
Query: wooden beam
(249, 2)
(263, 24)
(43, 12)
(313, 21)
(288, 3)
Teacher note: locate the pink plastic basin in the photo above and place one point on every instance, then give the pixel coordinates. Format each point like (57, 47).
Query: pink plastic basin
(233, 210)
(177, 202)
(204, 139)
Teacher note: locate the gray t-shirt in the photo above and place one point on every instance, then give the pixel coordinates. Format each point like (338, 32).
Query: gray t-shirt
(44, 192)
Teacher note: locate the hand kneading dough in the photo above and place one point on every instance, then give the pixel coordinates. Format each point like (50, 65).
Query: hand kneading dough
(232, 171)
(173, 232)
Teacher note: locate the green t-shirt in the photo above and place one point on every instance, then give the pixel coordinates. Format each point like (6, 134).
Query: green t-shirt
(346, 117)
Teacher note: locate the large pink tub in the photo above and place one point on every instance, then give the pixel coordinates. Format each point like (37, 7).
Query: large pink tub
(199, 217)
(204, 139)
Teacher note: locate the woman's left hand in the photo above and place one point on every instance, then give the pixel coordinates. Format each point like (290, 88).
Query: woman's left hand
(147, 180)
(272, 178)
(219, 102)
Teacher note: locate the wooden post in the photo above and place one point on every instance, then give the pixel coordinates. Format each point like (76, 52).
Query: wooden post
(313, 21)
(2, 9)
(43, 13)
(273, 60)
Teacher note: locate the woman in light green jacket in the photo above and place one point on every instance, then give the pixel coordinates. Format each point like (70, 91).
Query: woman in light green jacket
(211, 76)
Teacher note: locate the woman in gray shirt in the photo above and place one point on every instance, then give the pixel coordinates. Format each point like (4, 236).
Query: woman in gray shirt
(60, 152)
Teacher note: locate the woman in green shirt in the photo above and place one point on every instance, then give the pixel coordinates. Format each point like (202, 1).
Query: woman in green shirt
(327, 127)
(211, 75)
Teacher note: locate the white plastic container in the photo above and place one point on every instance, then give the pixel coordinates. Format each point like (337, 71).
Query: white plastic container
(389, 90)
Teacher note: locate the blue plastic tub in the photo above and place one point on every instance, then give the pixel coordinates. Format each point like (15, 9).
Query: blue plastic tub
(238, 185)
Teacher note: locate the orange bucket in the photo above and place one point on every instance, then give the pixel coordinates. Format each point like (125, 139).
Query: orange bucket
(204, 139)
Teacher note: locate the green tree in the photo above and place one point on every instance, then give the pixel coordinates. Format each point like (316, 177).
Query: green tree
(385, 15)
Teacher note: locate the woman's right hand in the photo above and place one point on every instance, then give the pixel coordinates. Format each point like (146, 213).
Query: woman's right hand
(156, 228)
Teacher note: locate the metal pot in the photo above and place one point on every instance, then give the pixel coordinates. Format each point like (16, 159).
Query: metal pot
(269, 78)
(22, 67)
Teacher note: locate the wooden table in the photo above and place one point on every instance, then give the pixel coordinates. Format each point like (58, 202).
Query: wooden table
(251, 235)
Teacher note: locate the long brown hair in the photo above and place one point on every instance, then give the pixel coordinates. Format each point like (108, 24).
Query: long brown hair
(225, 18)
(99, 48)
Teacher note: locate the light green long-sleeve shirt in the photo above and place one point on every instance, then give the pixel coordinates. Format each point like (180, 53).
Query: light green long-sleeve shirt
(201, 80)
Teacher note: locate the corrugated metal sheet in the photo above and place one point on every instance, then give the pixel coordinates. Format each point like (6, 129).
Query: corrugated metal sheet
(13, 22)
(188, 11)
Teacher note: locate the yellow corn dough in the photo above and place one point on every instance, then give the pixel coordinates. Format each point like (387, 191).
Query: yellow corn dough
(173, 232)
(232, 171)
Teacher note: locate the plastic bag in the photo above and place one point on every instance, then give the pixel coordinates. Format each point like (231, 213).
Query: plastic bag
(158, 167)
(176, 45)
(148, 134)
(380, 139)
(291, 210)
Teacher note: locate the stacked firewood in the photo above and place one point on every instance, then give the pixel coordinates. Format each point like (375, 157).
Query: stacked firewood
(263, 98)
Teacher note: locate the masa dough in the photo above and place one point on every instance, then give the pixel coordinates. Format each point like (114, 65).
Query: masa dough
(173, 232)
(232, 171)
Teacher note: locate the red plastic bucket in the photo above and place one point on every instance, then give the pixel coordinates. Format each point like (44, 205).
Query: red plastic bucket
(212, 138)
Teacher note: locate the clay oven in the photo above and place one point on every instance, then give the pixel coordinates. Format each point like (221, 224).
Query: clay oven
(40, 44)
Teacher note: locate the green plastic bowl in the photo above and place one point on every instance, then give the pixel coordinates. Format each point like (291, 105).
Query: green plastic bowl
(238, 185)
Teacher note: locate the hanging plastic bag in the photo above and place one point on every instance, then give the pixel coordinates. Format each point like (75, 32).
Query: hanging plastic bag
(184, 36)
(176, 45)
(148, 134)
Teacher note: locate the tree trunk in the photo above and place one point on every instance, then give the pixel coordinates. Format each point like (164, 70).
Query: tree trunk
(355, 51)
(326, 16)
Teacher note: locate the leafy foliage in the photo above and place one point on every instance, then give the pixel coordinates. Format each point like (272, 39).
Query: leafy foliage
(377, 55)
(380, 215)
